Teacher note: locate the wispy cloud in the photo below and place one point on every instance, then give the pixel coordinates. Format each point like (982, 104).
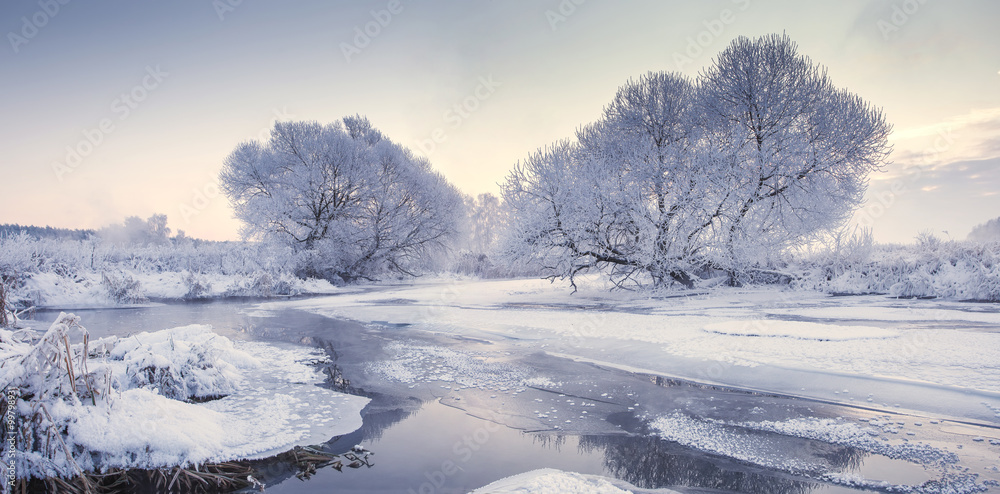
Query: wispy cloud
(972, 136)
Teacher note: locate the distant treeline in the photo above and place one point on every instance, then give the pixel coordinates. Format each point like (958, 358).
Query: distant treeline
(43, 232)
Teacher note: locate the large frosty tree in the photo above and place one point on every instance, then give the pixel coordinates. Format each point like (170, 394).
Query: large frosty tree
(795, 152)
(757, 154)
(352, 201)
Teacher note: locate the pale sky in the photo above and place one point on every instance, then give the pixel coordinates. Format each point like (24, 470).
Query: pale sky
(200, 76)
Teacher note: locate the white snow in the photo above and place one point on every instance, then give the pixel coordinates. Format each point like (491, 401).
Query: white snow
(85, 289)
(960, 313)
(552, 481)
(744, 441)
(713, 336)
(190, 361)
(798, 330)
(270, 401)
(411, 363)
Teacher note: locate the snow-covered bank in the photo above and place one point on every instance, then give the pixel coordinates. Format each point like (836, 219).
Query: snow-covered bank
(76, 274)
(765, 338)
(552, 481)
(91, 289)
(182, 396)
(929, 268)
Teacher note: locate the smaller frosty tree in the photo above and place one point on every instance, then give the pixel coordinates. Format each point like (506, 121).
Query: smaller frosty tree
(136, 231)
(354, 202)
(986, 232)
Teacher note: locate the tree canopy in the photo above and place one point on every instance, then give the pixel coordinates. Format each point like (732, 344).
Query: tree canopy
(343, 195)
(759, 153)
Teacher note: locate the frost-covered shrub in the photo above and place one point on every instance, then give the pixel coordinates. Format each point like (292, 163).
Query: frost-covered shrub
(4, 317)
(263, 284)
(286, 284)
(473, 264)
(18, 254)
(48, 375)
(123, 288)
(257, 285)
(63, 393)
(929, 268)
(198, 285)
(181, 364)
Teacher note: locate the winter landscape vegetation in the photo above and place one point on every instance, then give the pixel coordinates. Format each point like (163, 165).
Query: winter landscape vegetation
(685, 293)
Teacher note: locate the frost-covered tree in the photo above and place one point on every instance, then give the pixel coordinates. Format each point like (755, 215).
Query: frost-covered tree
(677, 177)
(485, 220)
(137, 231)
(625, 195)
(352, 201)
(986, 232)
(793, 152)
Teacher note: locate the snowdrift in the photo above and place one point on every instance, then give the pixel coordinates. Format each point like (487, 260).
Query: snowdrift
(177, 397)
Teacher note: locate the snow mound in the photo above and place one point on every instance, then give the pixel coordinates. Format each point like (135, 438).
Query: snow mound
(549, 480)
(139, 401)
(182, 363)
(771, 328)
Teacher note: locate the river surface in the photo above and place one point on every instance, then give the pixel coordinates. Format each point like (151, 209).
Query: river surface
(457, 413)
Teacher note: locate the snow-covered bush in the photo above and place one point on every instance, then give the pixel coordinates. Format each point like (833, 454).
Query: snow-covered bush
(198, 285)
(122, 287)
(47, 376)
(182, 363)
(260, 284)
(929, 268)
(986, 232)
(62, 392)
(18, 255)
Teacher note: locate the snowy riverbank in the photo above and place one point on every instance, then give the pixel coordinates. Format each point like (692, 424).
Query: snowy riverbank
(117, 288)
(177, 397)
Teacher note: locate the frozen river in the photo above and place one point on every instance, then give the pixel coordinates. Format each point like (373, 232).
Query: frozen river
(738, 392)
